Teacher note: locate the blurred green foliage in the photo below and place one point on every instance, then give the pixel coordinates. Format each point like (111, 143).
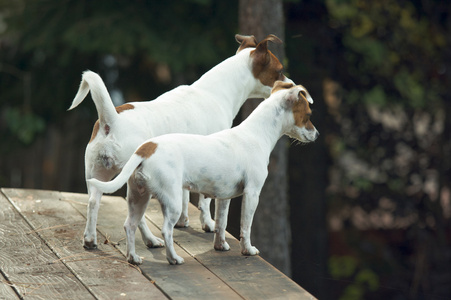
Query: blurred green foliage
(361, 279)
(24, 125)
(55, 41)
(392, 63)
(399, 44)
(389, 142)
(391, 59)
(158, 30)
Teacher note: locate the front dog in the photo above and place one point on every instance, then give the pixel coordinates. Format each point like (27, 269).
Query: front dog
(207, 106)
(222, 165)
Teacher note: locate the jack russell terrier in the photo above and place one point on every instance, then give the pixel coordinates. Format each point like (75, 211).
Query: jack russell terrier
(222, 165)
(207, 106)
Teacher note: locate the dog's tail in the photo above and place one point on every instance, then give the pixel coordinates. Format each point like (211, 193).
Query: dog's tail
(92, 82)
(112, 186)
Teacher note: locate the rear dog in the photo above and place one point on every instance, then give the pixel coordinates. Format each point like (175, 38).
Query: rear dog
(222, 165)
(207, 106)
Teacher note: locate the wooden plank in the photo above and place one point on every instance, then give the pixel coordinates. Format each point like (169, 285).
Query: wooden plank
(188, 281)
(6, 289)
(251, 276)
(25, 262)
(105, 271)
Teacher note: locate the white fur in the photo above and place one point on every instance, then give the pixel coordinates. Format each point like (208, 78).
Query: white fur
(207, 106)
(222, 165)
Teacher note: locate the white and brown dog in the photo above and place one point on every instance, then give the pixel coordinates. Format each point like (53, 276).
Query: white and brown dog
(222, 165)
(207, 106)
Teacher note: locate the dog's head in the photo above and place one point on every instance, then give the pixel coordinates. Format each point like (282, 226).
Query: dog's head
(265, 65)
(296, 102)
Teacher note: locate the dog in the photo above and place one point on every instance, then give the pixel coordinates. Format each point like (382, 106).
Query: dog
(222, 165)
(207, 106)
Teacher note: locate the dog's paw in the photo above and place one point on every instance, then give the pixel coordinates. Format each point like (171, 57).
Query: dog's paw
(176, 260)
(209, 226)
(154, 243)
(223, 246)
(250, 251)
(89, 245)
(182, 223)
(134, 259)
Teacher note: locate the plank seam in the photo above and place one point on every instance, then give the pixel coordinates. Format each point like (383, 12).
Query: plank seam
(121, 253)
(10, 284)
(193, 256)
(211, 271)
(48, 246)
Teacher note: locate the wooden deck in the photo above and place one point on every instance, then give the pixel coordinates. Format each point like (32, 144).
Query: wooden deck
(41, 256)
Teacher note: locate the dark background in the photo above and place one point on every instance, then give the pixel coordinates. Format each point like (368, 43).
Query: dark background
(369, 202)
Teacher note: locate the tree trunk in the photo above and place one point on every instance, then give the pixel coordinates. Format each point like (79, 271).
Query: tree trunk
(271, 226)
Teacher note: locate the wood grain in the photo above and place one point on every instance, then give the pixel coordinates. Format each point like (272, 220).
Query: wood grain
(251, 276)
(104, 272)
(188, 281)
(6, 290)
(41, 254)
(25, 260)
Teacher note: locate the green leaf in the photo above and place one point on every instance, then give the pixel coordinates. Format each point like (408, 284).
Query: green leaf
(376, 96)
(367, 276)
(408, 86)
(342, 266)
(23, 125)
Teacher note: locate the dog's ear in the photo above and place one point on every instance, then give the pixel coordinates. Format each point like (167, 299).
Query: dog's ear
(261, 50)
(272, 38)
(262, 47)
(304, 94)
(281, 85)
(292, 97)
(245, 41)
(297, 93)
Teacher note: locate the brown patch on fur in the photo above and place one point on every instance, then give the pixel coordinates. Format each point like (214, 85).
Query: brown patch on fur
(280, 85)
(246, 41)
(94, 131)
(146, 150)
(124, 107)
(96, 128)
(265, 66)
(302, 112)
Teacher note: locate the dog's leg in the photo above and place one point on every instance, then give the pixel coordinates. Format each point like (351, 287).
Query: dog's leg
(171, 205)
(184, 220)
(221, 213)
(208, 225)
(90, 234)
(93, 171)
(137, 201)
(149, 239)
(248, 207)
